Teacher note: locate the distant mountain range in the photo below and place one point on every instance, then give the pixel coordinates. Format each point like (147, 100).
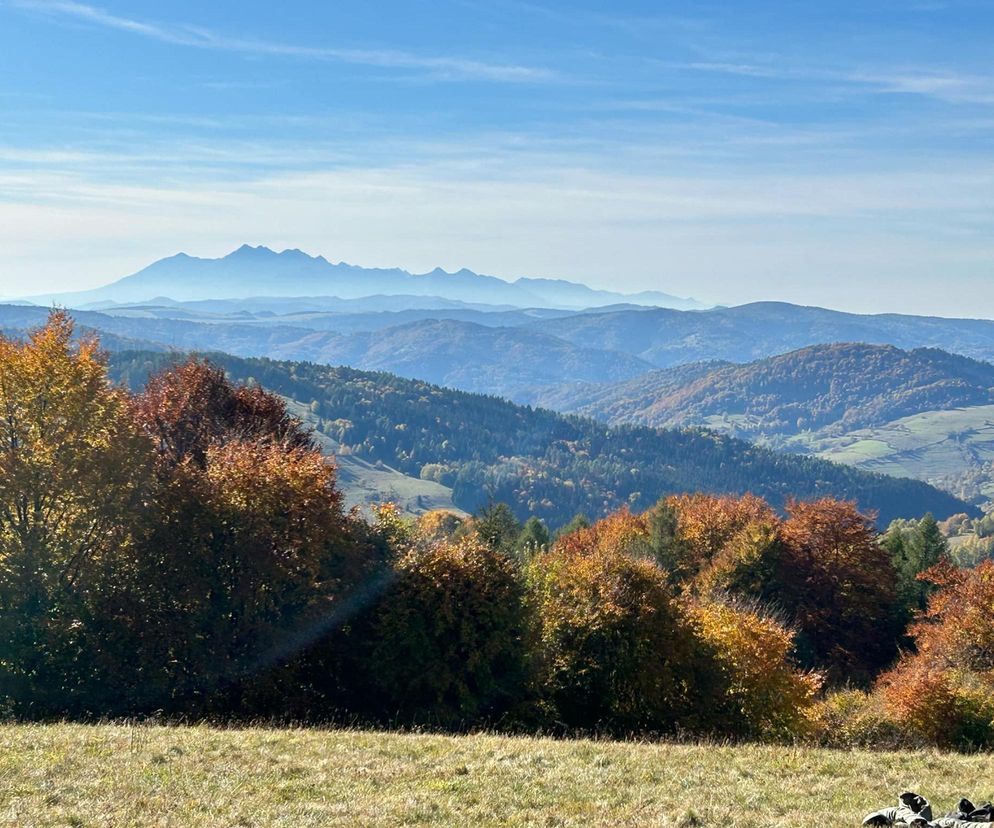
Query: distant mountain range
(762, 329)
(260, 272)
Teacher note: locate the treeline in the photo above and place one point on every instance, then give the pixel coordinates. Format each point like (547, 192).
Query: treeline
(183, 552)
(540, 462)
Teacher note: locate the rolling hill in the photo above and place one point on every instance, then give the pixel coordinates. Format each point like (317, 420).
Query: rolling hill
(494, 360)
(831, 388)
(541, 462)
(923, 413)
(755, 331)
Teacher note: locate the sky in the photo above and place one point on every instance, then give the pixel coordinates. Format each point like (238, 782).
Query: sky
(834, 153)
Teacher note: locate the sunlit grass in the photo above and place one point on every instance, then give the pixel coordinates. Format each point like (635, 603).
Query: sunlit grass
(75, 775)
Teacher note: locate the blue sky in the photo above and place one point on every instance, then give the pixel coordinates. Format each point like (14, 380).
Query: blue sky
(829, 153)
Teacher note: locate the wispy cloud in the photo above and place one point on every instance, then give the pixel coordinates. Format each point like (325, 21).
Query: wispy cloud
(440, 67)
(944, 85)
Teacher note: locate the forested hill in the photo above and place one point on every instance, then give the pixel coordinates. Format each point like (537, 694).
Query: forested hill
(540, 462)
(835, 388)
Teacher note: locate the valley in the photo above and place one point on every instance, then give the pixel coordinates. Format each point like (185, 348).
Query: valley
(901, 395)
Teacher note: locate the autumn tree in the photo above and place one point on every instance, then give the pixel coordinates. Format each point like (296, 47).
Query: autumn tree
(72, 470)
(439, 524)
(191, 407)
(694, 530)
(247, 547)
(839, 586)
(943, 691)
(448, 636)
(758, 691)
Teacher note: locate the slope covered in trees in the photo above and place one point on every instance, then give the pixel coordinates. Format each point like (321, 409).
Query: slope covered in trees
(540, 462)
(834, 388)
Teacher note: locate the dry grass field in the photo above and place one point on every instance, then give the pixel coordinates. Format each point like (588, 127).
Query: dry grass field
(75, 775)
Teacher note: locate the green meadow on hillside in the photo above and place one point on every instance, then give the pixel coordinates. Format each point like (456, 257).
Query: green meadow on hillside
(940, 447)
(117, 776)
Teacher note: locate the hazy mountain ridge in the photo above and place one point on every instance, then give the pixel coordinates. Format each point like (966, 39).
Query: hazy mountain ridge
(494, 360)
(746, 333)
(260, 272)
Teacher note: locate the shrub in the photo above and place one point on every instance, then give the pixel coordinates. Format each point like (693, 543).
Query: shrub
(612, 650)
(949, 708)
(944, 692)
(762, 694)
(857, 719)
(448, 636)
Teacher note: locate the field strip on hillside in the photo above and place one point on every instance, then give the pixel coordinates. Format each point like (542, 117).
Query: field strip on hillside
(934, 446)
(119, 775)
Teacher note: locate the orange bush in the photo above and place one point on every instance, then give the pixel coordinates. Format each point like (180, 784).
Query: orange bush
(944, 692)
(762, 694)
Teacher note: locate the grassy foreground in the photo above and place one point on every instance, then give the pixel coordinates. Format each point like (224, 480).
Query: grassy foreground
(75, 775)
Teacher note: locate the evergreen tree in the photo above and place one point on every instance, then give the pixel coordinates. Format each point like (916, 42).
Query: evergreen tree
(577, 522)
(534, 537)
(497, 526)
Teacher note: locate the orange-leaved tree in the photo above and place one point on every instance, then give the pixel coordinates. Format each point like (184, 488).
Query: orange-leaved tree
(247, 548)
(760, 693)
(839, 586)
(726, 542)
(943, 692)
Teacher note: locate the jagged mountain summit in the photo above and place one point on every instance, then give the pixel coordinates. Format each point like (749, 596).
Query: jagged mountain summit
(259, 272)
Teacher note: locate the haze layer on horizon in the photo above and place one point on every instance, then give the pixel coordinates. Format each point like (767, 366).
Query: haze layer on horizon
(837, 154)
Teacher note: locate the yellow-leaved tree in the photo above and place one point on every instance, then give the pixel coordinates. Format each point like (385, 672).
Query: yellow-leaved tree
(72, 465)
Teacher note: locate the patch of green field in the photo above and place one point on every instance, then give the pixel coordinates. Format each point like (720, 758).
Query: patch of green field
(934, 446)
(862, 451)
(111, 776)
